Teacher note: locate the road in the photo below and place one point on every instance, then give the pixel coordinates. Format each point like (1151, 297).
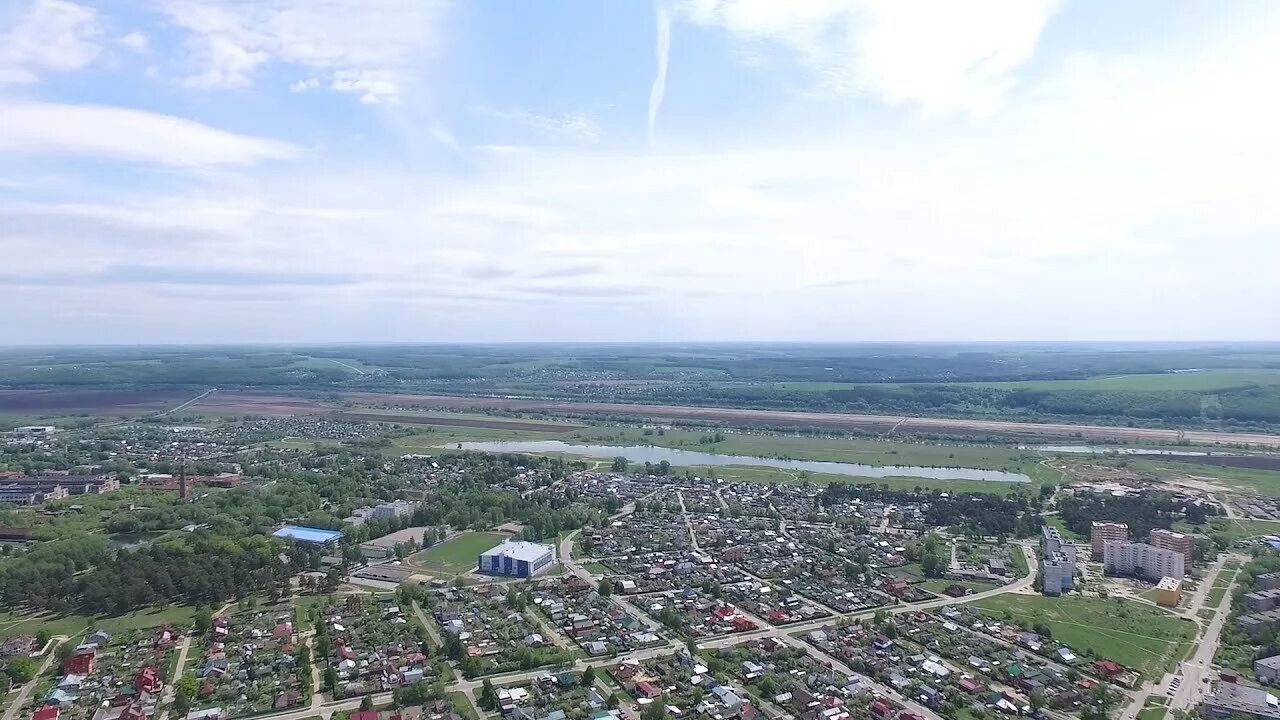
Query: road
(166, 697)
(1196, 672)
(352, 368)
(24, 694)
(825, 419)
(188, 403)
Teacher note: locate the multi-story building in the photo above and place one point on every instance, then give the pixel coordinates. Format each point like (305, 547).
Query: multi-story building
(29, 493)
(1262, 600)
(1104, 532)
(394, 509)
(1059, 575)
(1058, 569)
(517, 559)
(1267, 581)
(1169, 592)
(1235, 700)
(1143, 560)
(1175, 541)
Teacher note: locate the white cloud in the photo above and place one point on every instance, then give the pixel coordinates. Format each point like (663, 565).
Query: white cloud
(35, 128)
(941, 56)
(373, 48)
(136, 42)
(566, 126)
(47, 35)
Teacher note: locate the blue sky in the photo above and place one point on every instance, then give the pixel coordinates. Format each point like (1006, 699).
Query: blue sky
(425, 170)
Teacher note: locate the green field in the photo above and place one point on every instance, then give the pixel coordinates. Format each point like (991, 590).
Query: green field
(1204, 380)
(1135, 635)
(1238, 528)
(937, 585)
(72, 625)
(456, 555)
(852, 450)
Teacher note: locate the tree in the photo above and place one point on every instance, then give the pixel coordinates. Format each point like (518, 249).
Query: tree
(43, 637)
(203, 620)
(21, 669)
(620, 464)
(606, 587)
(366, 702)
(186, 690)
(588, 677)
(488, 696)
(653, 711)
(331, 680)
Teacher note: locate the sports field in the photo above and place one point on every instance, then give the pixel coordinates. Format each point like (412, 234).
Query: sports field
(1135, 635)
(457, 554)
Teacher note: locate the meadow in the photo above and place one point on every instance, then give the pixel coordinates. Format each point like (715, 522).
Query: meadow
(1133, 634)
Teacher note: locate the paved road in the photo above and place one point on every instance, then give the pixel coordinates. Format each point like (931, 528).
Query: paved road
(1196, 673)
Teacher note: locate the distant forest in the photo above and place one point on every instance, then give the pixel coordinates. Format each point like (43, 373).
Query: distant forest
(1223, 385)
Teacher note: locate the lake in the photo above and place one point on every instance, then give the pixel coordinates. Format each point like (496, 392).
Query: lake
(692, 458)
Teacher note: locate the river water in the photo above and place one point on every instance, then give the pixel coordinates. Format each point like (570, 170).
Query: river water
(692, 458)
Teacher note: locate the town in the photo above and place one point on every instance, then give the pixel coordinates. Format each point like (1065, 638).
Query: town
(464, 585)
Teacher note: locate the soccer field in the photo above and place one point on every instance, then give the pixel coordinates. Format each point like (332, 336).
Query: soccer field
(456, 555)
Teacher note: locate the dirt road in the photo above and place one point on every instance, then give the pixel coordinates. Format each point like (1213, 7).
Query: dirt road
(878, 423)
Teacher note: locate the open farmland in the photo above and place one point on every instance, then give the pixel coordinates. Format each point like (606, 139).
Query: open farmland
(223, 402)
(103, 402)
(453, 420)
(867, 423)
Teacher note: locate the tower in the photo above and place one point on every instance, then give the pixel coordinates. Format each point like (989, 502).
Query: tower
(183, 490)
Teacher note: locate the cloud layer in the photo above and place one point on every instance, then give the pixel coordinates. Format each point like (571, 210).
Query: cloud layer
(832, 170)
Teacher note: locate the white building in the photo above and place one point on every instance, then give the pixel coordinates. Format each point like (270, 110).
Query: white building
(1128, 558)
(517, 559)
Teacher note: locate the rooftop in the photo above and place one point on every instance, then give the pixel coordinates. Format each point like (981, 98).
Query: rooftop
(520, 550)
(1169, 584)
(319, 536)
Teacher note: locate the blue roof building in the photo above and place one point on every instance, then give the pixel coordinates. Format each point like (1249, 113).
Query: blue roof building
(314, 536)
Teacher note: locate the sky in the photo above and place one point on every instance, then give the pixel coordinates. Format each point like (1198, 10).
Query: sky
(212, 171)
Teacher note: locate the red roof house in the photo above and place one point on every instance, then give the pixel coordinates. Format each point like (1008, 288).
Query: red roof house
(148, 680)
(81, 663)
(48, 712)
(1107, 668)
(644, 687)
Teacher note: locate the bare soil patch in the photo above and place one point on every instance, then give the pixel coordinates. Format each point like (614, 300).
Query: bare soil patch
(239, 403)
(41, 402)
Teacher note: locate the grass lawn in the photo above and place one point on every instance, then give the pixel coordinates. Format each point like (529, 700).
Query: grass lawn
(1244, 528)
(1152, 713)
(937, 585)
(12, 624)
(458, 554)
(595, 568)
(1067, 533)
(1018, 561)
(1138, 636)
(1219, 589)
(462, 705)
(910, 571)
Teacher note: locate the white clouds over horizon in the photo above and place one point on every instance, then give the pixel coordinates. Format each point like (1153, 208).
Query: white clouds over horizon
(958, 179)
